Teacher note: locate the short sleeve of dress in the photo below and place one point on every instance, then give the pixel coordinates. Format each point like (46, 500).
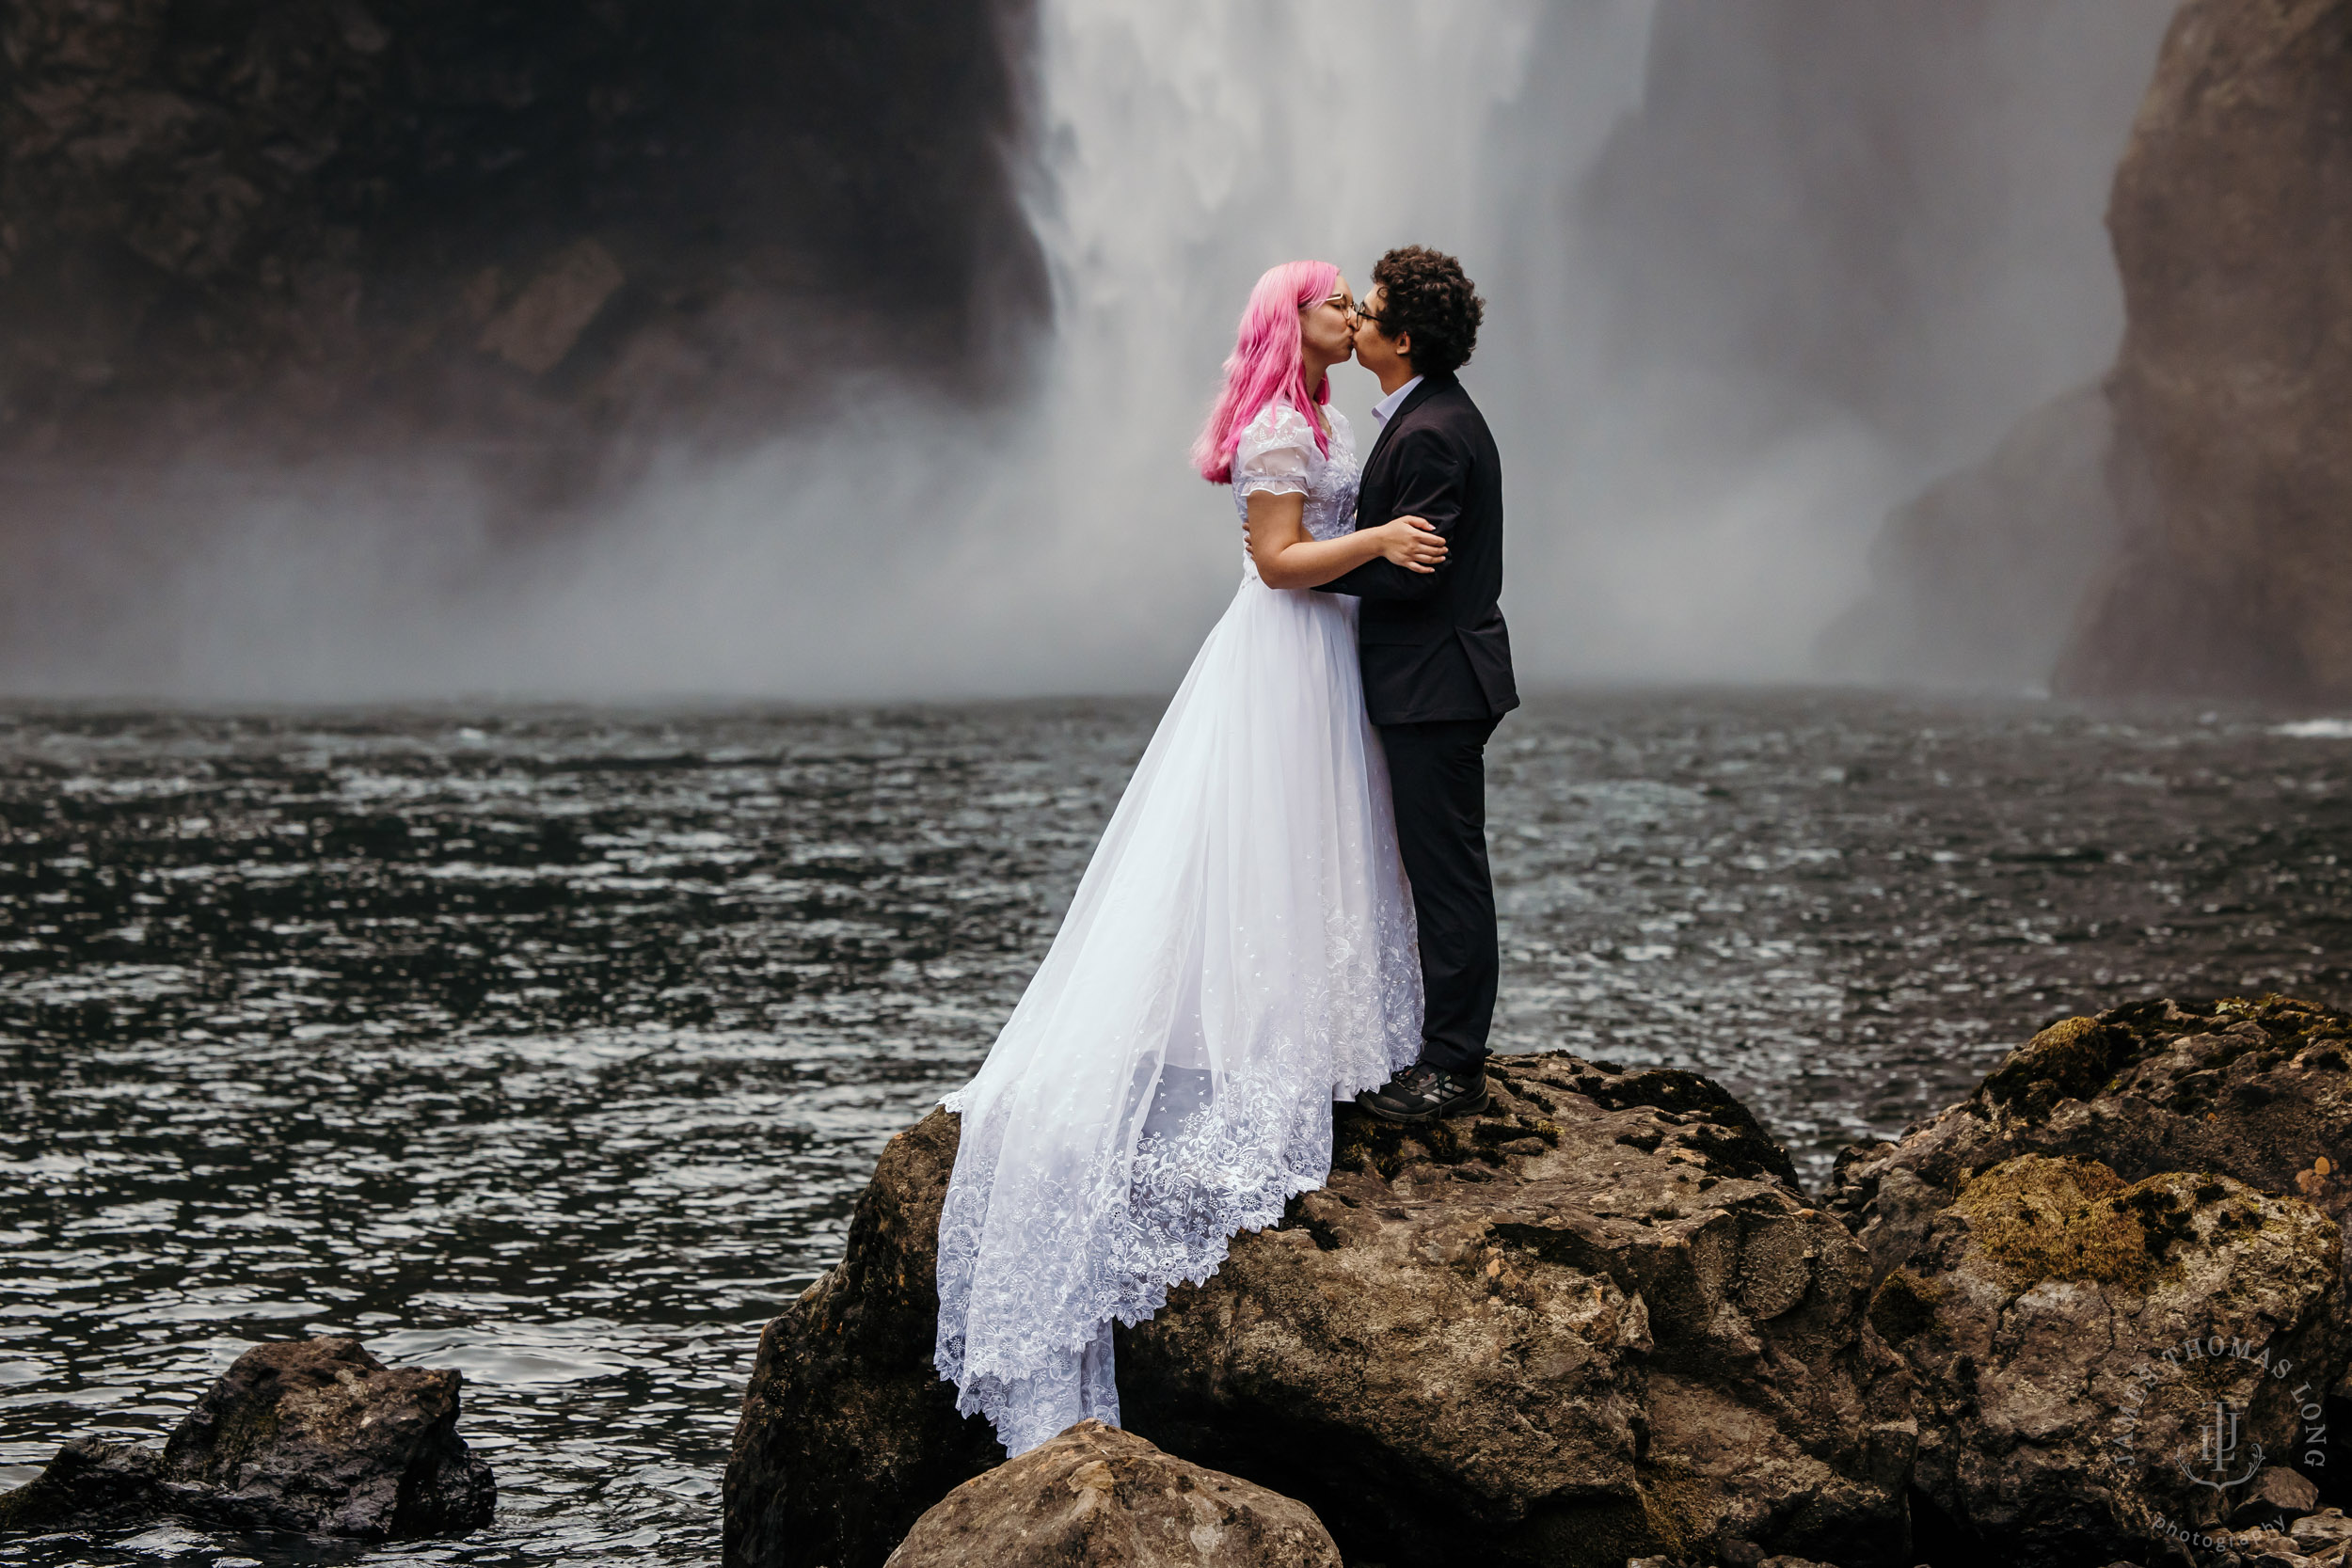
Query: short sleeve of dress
(1274, 452)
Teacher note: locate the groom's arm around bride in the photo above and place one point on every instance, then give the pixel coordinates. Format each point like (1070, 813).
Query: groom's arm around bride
(1436, 656)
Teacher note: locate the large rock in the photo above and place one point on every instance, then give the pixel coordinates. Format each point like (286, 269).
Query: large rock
(1598, 1322)
(2037, 1317)
(2046, 1252)
(1097, 1494)
(309, 1435)
(2232, 216)
(2260, 1091)
(847, 1433)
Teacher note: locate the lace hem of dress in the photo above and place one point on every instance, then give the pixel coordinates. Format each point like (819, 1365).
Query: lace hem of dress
(1231, 1167)
(1026, 1333)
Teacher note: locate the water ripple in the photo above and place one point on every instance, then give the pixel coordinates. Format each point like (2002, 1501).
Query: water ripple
(553, 1045)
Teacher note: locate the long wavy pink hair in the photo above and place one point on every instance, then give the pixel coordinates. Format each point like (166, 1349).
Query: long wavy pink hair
(1264, 364)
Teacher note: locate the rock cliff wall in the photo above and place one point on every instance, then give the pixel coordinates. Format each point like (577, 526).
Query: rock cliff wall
(2232, 218)
(314, 221)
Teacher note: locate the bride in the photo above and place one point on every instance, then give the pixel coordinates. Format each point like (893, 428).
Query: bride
(1239, 955)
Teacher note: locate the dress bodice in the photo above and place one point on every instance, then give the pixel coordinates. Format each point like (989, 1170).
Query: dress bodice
(1277, 452)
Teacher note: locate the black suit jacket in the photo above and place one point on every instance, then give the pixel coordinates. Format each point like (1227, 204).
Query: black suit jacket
(1432, 645)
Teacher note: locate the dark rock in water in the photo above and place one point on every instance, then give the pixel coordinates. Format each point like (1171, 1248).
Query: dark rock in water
(1977, 580)
(847, 1434)
(1597, 1321)
(2233, 390)
(91, 1484)
(309, 1435)
(318, 1436)
(1097, 1494)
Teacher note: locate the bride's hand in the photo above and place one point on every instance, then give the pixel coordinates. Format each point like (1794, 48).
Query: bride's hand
(1412, 542)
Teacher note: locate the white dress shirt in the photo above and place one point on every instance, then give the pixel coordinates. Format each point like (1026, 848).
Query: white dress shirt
(1386, 405)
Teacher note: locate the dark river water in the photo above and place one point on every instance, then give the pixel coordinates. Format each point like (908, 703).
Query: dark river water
(553, 1045)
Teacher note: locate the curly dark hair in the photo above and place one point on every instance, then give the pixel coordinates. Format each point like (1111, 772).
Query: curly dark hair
(1426, 294)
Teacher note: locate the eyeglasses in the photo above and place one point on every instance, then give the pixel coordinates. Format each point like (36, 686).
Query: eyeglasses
(1364, 314)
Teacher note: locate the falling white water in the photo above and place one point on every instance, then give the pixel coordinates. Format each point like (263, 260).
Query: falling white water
(909, 547)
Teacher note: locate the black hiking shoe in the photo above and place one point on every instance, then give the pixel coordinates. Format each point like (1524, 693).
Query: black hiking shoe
(1423, 1093)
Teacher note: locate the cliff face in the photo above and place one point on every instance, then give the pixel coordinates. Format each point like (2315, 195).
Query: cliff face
(2232, 218)
(1976, 580)
(517, 221)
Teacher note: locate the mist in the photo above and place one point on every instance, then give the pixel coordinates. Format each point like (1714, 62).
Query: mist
(1754, 274)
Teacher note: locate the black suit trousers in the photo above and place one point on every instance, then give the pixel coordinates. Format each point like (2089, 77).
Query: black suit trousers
(1437, 778)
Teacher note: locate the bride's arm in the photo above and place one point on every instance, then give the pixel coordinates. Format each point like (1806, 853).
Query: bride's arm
(1289, 557)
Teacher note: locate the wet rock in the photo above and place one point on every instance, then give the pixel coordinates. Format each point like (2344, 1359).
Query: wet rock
(320, 1437)
(309, 1435)
(1096, 1494)
(848, 1434)
(2275, 1497)
(2259, 1090)
(536, 332)
(91, 1483)
(1598, 1321)
(2232, 389)
(2071, 1337)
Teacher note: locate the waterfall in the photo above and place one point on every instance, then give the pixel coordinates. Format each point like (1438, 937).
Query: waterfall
(1176, 153)
(1675, 511)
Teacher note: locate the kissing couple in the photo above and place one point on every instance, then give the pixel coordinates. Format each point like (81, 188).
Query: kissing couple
(1291, 907)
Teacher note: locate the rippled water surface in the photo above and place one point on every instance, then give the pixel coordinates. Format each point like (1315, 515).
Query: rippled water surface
(554, 1045)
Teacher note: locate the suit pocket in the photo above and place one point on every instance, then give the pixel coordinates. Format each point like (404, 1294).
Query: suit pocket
(1488, 646)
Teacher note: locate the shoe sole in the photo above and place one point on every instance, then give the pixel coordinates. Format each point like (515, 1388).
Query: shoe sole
(1412, 1118)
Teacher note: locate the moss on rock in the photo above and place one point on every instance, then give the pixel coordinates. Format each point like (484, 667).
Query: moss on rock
(2068, 1060)
(2041, 1218)
(1903, 1305)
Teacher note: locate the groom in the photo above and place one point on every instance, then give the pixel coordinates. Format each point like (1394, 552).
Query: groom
(1436, 658)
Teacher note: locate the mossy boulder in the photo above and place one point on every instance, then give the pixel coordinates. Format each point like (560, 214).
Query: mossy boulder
(2258, 1089)
(2046, 1322)
(2118, 1182)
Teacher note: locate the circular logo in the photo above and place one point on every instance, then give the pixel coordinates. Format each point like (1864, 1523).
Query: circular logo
(2197, 1423)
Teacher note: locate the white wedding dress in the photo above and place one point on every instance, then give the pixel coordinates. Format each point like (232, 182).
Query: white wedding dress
(1239, 956)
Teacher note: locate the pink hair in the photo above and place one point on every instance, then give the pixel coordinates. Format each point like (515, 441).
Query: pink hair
(1264, 364)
